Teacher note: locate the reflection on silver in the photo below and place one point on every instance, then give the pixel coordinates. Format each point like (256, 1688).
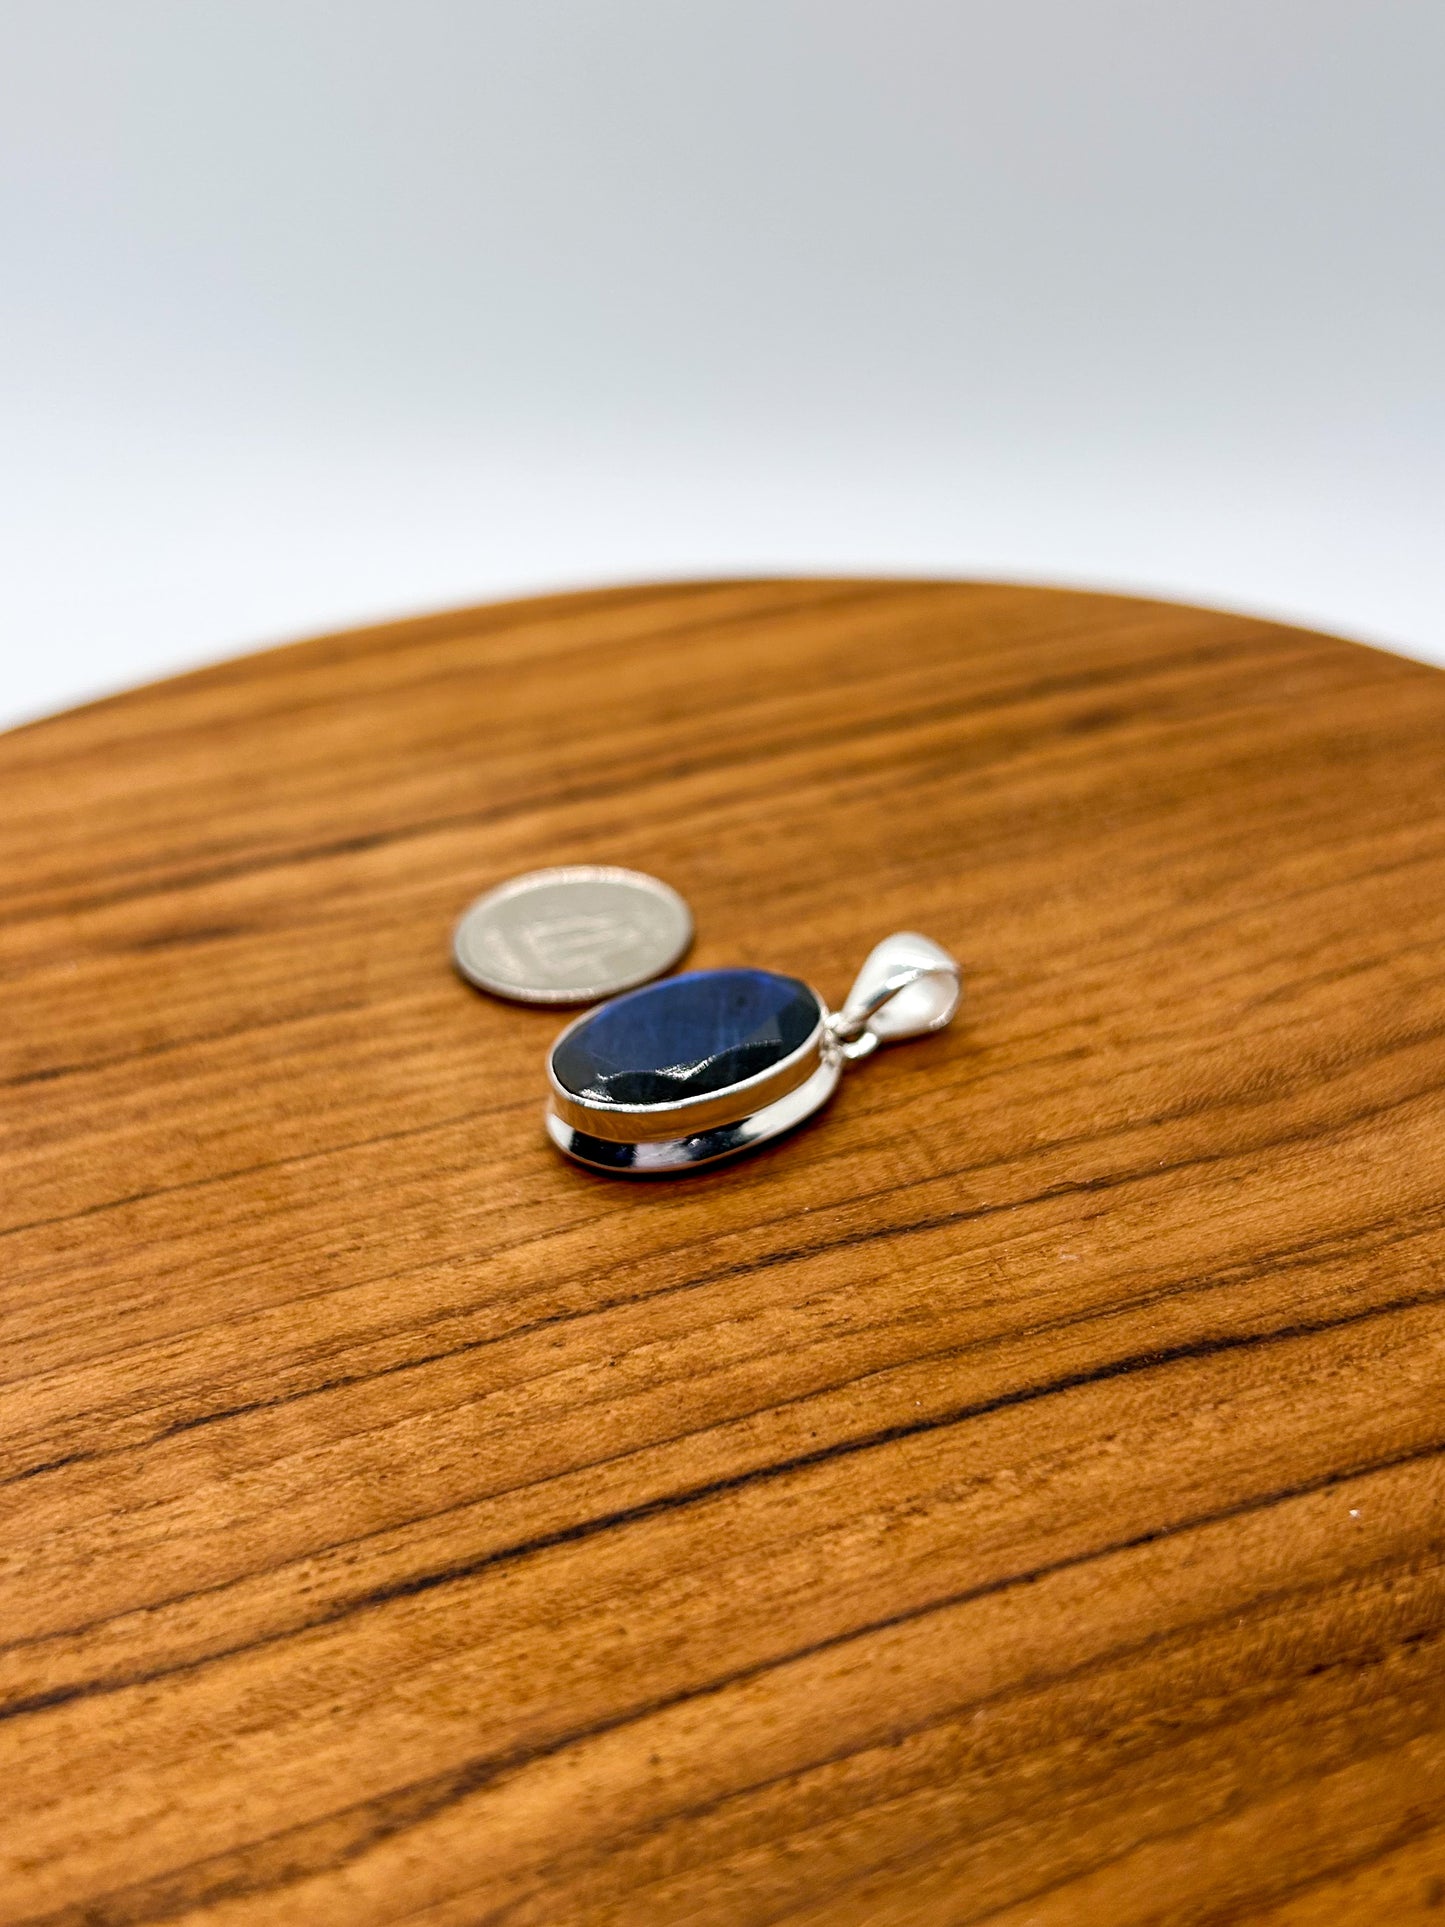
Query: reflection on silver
(571, 935)
(908, 986)
(668, 1157)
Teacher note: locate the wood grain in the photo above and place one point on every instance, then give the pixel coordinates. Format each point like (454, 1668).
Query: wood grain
(1017, 1497)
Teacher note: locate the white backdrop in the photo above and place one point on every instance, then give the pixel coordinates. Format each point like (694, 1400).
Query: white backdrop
(312, 314)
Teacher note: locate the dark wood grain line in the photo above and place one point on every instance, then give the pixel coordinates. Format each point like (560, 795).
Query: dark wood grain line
(1068, 1676)
(406, 1807)
(1063, 1188)
(483, 624)
(1382, 1234)
(1322, 1076)
(1092, 1668)
(427, 1128)
(627, 779)
(1413, 1826)
(1131, 1366)
(171, 1046)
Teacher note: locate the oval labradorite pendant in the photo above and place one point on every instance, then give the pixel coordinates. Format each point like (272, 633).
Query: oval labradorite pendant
(714, 1062)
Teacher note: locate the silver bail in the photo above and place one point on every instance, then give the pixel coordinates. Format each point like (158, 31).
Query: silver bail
(908, 985)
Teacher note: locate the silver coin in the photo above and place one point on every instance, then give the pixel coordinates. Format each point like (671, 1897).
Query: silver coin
(571, 935)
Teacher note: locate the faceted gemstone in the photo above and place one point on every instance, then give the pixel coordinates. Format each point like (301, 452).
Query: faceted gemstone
(686, 1037)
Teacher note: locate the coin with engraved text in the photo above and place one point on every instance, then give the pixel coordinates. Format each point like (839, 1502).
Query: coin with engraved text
(571, 935)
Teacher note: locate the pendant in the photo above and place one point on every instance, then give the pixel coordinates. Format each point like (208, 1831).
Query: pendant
(716, 1062)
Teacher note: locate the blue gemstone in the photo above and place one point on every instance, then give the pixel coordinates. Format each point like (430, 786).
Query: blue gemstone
(686, 1037)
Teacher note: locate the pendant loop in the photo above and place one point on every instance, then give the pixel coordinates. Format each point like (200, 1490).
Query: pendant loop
(908, 986)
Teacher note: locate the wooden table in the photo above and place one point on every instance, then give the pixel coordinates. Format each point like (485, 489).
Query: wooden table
(1016, 1497)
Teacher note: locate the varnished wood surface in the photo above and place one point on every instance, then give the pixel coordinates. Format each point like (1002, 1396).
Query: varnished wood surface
(1015, 1498)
